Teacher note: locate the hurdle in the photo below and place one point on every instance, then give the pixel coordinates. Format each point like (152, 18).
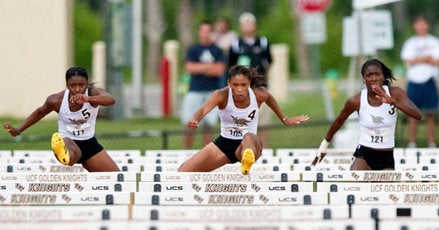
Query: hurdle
(30, 187)
(68, 177)
(405, 224)
(5, 154)
(328, 160)
(385, 198)
(45, 214)
(421, 152)
(170, 152)
(249, 198)
(381, 187)
(226, 168)
(40, 168)
(71, 225)
(311, 152)
(58, 168)
(369, 176)
(219, 177)
(47, 157)
(44, 153)
(230, 187)
(32, 153)
(242, 213)
(124, 153)
(416, 167)
(237, 225)
(179, 156)
(395, 211)
(56, 198)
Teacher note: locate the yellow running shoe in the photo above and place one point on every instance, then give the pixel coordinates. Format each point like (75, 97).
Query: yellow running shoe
(247, 160)
(59, 149)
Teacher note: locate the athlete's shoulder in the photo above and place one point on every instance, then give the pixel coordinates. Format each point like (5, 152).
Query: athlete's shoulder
(54, 100)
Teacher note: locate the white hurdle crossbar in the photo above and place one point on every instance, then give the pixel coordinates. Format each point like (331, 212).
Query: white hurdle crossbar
(219, 177)
(370, 176)
(71, 198)
(249, 198)
(229, 187)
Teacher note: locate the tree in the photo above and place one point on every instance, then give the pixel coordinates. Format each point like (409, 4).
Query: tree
(184, 23)
(301, 51)
(155, 26)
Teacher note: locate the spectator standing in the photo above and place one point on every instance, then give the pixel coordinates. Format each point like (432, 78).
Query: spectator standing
(253, 51)
(421, 55)
(223, 37)
(205, 63)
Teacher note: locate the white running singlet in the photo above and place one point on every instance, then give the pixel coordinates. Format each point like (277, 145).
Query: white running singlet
(377, 124)
(79, 125)
(236, 122)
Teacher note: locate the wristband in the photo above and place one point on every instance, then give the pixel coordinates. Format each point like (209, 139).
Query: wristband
(323, 147)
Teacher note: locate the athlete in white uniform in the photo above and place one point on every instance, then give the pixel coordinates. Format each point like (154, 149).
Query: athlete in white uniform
(78, 125)
(377, 109)
(77, 108)
(238, 105)
(377, 123)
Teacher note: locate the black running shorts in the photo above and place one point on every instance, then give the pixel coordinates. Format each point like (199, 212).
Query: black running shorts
(228, 147)
(88, 148)
(377, 160)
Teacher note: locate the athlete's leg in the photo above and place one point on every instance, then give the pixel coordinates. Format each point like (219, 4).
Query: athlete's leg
(412, 125)
(209, 158)
(188, 138)
(101, 162)
(430, 125)
(359, 164)
(207, 134)
(65, 149)
(248, 151)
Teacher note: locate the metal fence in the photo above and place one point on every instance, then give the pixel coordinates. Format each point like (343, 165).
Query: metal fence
(305, 135)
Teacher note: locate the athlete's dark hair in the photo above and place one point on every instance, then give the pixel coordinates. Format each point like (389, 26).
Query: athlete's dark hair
(387, 72)
(256, 79)
(76, 71)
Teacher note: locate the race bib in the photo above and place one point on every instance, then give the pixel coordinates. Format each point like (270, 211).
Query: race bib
(78, 129)
(236, 132)
(377, 135)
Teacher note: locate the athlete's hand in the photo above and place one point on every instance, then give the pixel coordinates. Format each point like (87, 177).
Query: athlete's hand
(381, 94)
(79, 99)
(321, 153)
(295, 120)
(192, 124)
(13, 131)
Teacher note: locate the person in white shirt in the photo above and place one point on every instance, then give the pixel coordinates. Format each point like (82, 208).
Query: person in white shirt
(238, 105)
(377, 106)
(77, 108)
(421, 55)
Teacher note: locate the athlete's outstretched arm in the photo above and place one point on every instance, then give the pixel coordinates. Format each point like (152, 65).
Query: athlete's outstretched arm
(49, 105)
(215, 99)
